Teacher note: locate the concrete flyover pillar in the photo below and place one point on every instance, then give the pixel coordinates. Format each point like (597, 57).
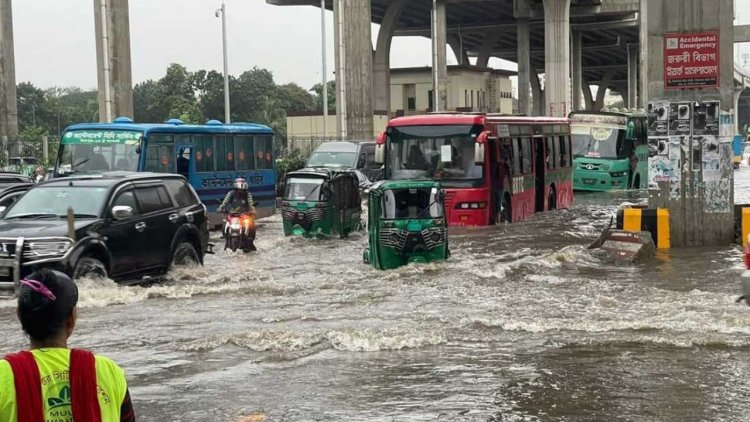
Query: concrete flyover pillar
(8, 101)
(381, 66)
(114, 73)
(577, 70)
(525, 76)
(601, 92)
(354, 80)
(537, 92)
(700, 196)
(632, 92)
(439, 59)
(557, 53)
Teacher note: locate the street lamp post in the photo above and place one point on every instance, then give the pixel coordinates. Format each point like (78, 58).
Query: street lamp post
(325, 71)
(223, 12)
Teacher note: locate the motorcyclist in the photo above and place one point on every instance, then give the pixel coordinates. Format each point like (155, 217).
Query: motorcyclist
(239, 201)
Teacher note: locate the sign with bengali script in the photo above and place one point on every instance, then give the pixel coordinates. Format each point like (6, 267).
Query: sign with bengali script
(691, 60)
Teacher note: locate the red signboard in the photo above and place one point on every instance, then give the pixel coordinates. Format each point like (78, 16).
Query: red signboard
(691, 60)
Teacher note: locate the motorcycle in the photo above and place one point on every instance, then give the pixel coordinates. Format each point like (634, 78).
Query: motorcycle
(239, 232)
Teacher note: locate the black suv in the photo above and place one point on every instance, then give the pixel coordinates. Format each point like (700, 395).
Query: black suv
(126, 226)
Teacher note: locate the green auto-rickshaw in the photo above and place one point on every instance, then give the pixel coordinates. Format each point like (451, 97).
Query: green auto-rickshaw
(406, 224)
(320, 201)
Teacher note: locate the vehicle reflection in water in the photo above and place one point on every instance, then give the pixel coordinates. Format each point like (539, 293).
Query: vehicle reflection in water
(521, 323)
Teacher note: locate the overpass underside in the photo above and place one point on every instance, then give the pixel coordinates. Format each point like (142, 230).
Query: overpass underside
(594, 43)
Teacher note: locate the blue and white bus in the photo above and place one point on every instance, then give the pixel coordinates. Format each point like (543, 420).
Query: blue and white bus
(210, 156)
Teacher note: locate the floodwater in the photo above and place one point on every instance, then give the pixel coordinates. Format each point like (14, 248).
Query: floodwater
(523, 323)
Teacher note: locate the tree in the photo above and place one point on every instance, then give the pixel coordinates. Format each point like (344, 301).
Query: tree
(272, 114)
(253, 87)
(318, 90)
(294, 98)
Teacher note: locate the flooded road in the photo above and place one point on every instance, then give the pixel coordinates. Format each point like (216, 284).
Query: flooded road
(523, 323)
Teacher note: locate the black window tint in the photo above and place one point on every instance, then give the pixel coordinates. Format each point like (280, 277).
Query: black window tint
(151, 199)
(166, 201)
(550, 152)
(180, 192)
(127, 199)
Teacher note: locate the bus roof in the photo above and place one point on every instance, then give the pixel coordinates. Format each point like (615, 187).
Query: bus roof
(471, 119)
(176, 128)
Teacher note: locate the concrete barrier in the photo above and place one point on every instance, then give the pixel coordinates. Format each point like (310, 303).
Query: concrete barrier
(741, 223)
(654, 221)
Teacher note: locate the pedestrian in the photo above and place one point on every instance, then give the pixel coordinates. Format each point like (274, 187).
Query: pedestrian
(52, 382)
(38, 174)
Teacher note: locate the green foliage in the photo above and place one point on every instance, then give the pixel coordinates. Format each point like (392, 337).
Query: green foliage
(291, 162)
(318, 90)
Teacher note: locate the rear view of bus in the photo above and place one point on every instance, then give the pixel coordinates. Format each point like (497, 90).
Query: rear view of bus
(610, 151)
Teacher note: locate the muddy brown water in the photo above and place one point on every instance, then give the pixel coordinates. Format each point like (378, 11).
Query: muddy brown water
(523, 323)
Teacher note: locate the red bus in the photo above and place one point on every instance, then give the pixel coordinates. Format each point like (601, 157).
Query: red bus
(494, 168)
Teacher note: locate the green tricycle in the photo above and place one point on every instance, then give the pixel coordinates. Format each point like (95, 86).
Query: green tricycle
(406, 224)
(320, 202)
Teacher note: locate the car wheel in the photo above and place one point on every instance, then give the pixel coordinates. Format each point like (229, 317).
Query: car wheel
(185, 255)
(89, 267)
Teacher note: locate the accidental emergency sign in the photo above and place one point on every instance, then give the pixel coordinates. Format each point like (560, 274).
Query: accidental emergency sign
(691, 60)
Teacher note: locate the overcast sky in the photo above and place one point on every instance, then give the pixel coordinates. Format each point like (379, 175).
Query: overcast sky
(54, 40)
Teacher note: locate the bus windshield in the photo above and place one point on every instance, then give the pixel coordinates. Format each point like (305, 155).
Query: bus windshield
(433, 152)
(599, 136)
(96, 151)
(303, 189)
(412, 203)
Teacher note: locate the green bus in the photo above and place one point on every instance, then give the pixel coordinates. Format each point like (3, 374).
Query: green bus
(610, 150)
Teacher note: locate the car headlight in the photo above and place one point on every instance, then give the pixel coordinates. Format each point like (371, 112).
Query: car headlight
(35, 250)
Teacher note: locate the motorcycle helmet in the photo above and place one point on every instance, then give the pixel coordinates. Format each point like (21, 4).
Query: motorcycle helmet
(240, 184)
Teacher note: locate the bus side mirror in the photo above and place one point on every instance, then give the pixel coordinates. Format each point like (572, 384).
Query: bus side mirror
(479, 147)
(380, 148)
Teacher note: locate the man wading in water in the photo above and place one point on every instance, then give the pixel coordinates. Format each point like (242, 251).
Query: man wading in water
(52, 382)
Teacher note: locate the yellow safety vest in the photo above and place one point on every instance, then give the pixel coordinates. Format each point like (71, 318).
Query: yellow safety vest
(54, 367)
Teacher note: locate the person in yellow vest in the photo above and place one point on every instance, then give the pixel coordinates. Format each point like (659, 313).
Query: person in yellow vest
(52, 382)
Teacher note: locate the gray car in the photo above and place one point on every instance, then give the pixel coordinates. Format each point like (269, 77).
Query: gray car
(348, 155)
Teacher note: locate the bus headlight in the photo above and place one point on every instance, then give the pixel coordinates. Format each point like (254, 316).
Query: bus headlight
(619, 173)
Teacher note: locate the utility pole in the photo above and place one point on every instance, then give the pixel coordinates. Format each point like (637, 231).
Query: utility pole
(223, 12)
(325, 71)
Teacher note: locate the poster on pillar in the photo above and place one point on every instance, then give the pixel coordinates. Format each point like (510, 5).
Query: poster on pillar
(680, 119)
(706, 118)
(658, 118)
(691, 60)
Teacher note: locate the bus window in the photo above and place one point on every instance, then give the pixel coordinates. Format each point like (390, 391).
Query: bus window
(204, 153)
(160, 158)
(243, 148)
(517, 156)
(260, 152)
(526, 155)
(224, 153)
(269, 151)
(562, 142)
(550, 158)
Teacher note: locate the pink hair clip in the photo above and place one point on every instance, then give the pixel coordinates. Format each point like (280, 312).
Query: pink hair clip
(40, 288)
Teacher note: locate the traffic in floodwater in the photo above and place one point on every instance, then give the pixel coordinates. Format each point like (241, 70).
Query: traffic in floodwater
(522, 322)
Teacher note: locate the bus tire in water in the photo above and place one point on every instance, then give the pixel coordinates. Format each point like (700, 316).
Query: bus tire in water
(504, 212)
(552, 199)
(89, 267)
(185, 255)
